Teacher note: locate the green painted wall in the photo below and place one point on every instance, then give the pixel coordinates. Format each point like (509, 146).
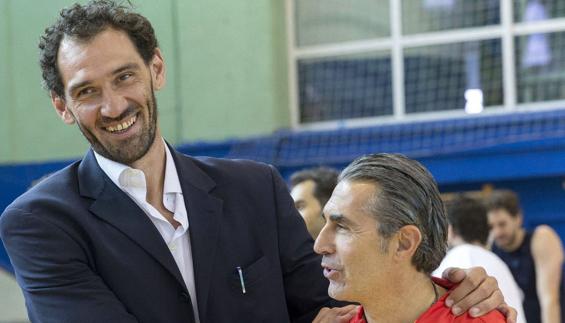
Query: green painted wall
(6, 113)
(233, 62)
(226, 74)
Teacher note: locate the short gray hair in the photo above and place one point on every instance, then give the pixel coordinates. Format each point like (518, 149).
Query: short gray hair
(407, 194)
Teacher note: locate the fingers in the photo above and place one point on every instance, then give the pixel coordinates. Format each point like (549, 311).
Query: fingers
(487, 305)
(322, 316)
(481, 299)
(336, 314)
(346, 309)
(509, 312)
(470, 280)
(348, 312)
(477, 293)
(454, 275)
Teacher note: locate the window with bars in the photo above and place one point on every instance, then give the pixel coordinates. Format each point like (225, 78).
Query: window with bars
(403, 59)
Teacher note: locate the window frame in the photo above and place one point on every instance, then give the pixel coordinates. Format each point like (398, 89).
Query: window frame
(396, 43)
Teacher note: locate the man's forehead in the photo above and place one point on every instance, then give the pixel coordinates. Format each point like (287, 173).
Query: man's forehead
(303, 188)
(350, 197)
(76, 57)
(499, 214)
(108, 39)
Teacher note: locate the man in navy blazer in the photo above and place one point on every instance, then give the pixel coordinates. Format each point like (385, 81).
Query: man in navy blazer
(76, 237)
(137, 232)
(85, 249)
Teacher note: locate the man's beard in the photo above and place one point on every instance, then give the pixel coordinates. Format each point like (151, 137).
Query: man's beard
(132, 149)
(513, 238)
(510, 240)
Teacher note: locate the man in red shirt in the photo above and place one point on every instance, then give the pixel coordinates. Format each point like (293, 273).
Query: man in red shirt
(385, 232)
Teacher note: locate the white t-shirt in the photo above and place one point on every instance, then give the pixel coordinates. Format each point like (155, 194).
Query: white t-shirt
(468, 255)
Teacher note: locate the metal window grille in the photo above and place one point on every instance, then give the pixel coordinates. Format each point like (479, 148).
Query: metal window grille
(362, 62)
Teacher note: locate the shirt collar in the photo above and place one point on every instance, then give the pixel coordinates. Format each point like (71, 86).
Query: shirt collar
(172, 182)
(114, 170)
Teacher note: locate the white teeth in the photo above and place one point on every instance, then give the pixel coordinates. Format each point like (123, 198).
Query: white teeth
(122, 126)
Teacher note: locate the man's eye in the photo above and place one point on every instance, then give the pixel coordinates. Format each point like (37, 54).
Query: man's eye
(85, 91)
(340, 227)
(125, 76)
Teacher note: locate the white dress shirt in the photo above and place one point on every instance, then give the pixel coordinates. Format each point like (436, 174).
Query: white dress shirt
(132, 182)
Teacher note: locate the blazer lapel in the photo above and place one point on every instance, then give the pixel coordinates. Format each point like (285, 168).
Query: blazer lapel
(114, 206)
(204, 214)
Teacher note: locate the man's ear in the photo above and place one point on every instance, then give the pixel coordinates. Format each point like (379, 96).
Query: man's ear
(60, 106)
(409, 239)
(158, 70)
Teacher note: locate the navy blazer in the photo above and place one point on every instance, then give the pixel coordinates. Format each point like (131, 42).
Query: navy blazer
(83, 251)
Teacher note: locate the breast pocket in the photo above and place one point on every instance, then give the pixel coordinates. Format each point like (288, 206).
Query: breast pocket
(245, 278)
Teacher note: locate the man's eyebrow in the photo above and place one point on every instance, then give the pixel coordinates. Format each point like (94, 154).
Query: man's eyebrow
(73, 88)
(130, 66)
(338, 218)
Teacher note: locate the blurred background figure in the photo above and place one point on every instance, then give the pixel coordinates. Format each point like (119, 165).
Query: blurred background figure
(311, 189)
(467, 238)
(534, 257)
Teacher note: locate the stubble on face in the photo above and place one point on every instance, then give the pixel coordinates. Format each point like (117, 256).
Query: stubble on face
(508, 228)
(507, 240)
(357, 254)
(132, 149)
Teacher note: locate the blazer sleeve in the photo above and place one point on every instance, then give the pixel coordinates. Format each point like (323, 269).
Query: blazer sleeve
(52, 270)
(305, 287)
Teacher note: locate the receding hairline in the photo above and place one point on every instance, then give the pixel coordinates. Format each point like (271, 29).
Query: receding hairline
(373, 201)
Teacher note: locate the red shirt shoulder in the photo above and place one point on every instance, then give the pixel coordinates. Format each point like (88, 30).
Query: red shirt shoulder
(439, 312)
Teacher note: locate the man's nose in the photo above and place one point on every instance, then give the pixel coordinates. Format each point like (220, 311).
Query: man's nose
(324, 242)
(113, 104)
(496, 232)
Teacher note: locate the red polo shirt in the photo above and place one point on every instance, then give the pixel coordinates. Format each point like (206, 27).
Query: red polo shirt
(440, 313)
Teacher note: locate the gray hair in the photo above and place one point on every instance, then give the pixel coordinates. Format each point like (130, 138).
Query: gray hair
(406, 194)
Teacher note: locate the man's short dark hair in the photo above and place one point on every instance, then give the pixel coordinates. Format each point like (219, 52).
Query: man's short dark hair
(324, 178)
(406, 194)
(468, 218)
(504, 200)
(83, 22)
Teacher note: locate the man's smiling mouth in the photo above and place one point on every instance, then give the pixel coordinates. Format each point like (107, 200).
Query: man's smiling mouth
(122, 126)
